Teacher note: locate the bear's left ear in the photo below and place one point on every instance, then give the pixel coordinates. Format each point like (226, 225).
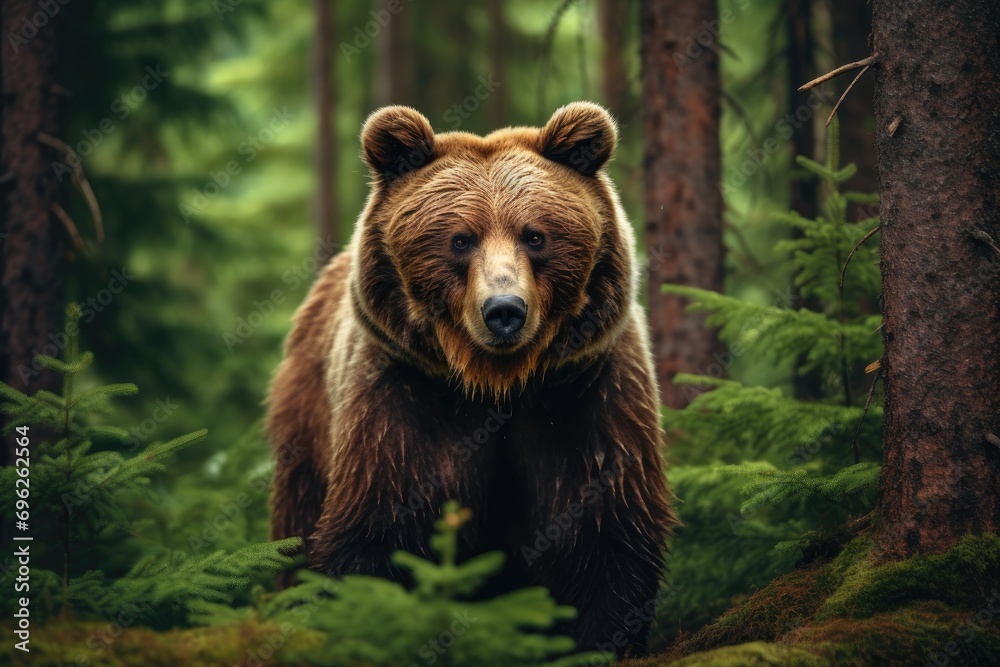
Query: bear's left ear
(395, 141)
(581, 135)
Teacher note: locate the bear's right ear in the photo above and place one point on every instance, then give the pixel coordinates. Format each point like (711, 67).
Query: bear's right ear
(395, 141)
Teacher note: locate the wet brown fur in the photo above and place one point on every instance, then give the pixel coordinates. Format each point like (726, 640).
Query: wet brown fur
(390, 381)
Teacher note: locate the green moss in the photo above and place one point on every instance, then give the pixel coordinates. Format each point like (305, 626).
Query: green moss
(767, 614)
(755, 653)
(855, 612)
(102, 645)
(963, 577)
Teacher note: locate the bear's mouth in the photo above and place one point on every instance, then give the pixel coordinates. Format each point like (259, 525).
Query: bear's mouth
(504, 343)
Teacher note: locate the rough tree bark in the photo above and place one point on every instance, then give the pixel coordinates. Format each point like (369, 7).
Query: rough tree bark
(937, 147)
(32, 243)
(683, 203)
(325, 156)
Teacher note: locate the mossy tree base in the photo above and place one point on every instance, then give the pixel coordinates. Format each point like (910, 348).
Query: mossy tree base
(853, 610)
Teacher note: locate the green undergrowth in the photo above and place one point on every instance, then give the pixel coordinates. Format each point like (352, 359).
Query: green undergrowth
(852, 610)
(59, 643)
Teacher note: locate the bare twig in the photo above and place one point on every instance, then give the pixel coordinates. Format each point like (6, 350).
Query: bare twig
(79, 179)
(843, 271)
(867, 62)
(868, 402)
(840, 101)
(68, 223)
(83, 185)
(62, 91)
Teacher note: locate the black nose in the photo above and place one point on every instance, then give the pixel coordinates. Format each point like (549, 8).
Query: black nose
(504, 315)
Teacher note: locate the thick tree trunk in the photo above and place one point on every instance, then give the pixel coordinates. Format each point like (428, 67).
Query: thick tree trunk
(326, 162)
(614, 77)
(683, 203)
(937, 146)
(32, 243)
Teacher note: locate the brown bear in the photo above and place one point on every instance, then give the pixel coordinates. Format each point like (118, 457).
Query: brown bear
(480, 340)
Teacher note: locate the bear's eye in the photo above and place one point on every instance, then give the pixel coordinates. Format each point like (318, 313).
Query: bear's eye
(461, 242)
(534, 239)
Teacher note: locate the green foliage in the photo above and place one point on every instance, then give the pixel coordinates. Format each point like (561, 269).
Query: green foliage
(372, 621)
(83, 488)
(764, 473)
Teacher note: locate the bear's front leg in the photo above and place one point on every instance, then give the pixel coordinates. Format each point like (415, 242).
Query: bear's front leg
(605, 558)
(602, 514)
(396, 459)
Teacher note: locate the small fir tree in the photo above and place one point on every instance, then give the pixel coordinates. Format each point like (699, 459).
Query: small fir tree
(780, 474)
(87, 556)
(372, 621)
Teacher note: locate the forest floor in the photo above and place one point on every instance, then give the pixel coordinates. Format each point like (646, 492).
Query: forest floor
(845, 610)
(841, 609)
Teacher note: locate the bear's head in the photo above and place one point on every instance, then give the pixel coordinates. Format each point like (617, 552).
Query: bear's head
(492, 259)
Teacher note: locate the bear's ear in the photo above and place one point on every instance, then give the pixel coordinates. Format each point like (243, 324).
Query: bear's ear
(581, 135)
(395, 141)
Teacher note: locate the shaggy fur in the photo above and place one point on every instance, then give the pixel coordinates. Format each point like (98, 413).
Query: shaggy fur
(394, 396)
